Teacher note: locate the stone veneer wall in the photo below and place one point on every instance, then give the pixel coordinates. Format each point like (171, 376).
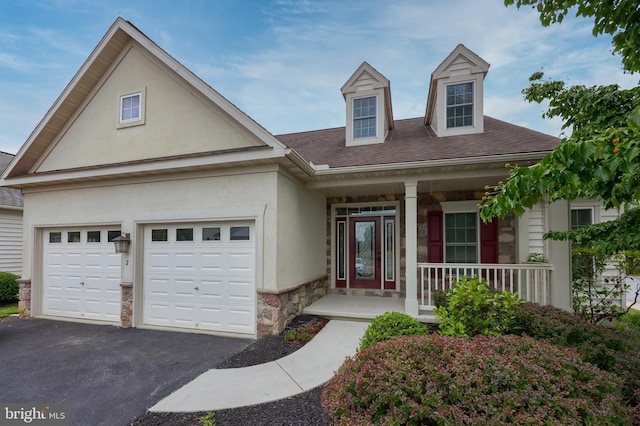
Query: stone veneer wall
(507, 252)
(126, 304)
(24, 298)
(426, 202)
(276, 308)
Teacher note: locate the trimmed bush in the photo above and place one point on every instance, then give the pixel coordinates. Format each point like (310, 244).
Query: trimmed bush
(473, 308)
(8, 287)
(628, 322)
(485, 380)
(390, 325)
(614, 351)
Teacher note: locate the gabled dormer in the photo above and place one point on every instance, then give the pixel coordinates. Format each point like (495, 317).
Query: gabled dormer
(368, 99)
(455, 102)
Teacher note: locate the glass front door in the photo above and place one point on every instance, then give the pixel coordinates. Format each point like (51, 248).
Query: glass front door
(365, 247)
(365, 252)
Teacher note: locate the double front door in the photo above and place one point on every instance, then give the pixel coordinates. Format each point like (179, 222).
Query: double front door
(366, 252)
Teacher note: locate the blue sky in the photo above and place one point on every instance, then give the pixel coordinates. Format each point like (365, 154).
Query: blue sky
(283, 62)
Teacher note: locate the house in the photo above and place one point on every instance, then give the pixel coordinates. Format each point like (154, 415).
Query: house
(10, 225)
(234, 230)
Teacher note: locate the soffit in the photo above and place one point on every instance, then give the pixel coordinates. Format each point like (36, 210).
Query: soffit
(67, 104)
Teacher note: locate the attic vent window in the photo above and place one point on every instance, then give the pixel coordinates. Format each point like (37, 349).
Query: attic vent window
(460, 105)
(364, 117)
(130, 107)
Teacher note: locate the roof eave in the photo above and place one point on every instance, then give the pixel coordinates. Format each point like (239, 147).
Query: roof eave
(464, 161)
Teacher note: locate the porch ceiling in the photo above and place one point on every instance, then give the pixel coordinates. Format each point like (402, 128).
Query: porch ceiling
(429, 180)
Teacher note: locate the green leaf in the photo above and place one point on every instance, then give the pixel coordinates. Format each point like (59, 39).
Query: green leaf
(634, 119)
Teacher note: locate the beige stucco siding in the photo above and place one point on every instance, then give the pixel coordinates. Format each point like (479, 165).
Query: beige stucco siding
(301, 234)
(177, 120)
(250, 195)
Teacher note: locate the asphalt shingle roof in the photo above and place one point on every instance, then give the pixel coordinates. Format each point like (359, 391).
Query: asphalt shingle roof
(8, 196)
(411, 140)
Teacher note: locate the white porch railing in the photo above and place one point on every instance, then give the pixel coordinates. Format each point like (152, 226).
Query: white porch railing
(529, 280)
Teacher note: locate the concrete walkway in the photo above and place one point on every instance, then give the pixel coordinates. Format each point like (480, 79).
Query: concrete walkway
(309, 367)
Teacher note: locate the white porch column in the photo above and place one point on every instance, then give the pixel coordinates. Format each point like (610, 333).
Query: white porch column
(558, 219)
(411, 247)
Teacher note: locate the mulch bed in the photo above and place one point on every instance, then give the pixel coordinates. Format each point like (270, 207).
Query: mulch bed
(304, 409)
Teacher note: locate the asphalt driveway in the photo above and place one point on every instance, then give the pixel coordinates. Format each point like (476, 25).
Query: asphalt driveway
(105, 374)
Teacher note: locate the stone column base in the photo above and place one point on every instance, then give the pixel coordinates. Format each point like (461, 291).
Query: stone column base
(24, 298)
(276, 308)
(126, 305)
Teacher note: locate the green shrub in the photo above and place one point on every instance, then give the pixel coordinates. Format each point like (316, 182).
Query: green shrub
(295, 335)
(8, 287)
(595, 297)
(390, 325)
(628, 322)
(473, 308)
(485, 380)
(614, 351)
(439, 298)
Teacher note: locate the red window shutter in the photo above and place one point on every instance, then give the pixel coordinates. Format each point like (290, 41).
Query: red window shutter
(489, 242)
(435, 242)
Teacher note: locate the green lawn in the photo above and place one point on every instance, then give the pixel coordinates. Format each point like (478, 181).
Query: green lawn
(5, 311)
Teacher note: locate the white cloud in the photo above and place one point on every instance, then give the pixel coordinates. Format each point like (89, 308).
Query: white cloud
(287, 62)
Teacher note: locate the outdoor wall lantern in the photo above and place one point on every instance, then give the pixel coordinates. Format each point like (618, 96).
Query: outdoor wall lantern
(122, 243)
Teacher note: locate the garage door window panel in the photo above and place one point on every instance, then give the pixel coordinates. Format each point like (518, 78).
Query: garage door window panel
(113, 234)
(159, 235)
(93, 236)
(184, 234)
(73, 237)
(55, 237)
(240, 233)
(211, 234)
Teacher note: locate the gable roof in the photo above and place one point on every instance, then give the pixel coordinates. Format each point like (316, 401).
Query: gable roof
(381, 82)
(478, 65)
(9, 197)
(411, 142)
(97, 65)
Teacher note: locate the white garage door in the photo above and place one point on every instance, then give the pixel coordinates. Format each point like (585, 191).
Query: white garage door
(200, 276)
(81, 273)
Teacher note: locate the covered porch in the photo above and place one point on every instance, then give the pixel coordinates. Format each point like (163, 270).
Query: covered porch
(531, 281)
(411, 274)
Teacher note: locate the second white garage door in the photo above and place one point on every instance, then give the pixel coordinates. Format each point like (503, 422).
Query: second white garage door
(200, 276)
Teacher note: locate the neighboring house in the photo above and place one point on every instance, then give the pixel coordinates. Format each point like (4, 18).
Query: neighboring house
(235, 230)
(10, 225)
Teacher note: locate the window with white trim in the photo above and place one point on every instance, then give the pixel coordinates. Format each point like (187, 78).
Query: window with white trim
(581, 217)
(461, 237)
(364, 117)
(459, 105)
(130, 108)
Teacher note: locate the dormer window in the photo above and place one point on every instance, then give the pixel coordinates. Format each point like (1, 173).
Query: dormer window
(368, 106)
(455, 104)
(459, 105)
(364, 117)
